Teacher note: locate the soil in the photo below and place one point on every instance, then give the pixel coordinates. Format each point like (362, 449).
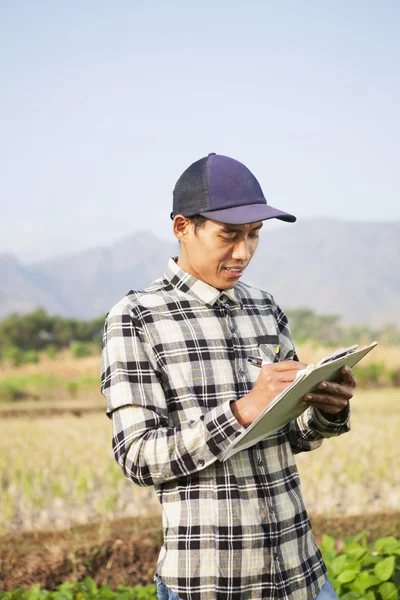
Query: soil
(124, 552)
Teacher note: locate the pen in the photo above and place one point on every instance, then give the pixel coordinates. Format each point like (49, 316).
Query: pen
(255, 360)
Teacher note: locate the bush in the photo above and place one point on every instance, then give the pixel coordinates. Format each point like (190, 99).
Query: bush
(10, 390)
(72, 388)
(51, 351)
(373, 375)
(13, 354)
(86, 590)
(362, 571)
(30, 356)
(81, 349)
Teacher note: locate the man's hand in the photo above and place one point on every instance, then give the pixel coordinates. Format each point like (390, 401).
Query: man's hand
(272, 380)
(332, 397)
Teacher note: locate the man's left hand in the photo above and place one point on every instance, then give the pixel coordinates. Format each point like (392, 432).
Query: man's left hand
(332, 397)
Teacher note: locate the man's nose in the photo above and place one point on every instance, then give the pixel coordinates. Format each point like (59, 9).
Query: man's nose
(241, 251)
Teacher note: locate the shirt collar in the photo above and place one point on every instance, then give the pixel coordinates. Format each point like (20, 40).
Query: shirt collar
(195, 287)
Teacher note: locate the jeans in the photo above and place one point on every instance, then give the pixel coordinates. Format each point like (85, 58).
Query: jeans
(164, 593)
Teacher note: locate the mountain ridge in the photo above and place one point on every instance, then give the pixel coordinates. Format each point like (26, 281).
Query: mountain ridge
(329, 265)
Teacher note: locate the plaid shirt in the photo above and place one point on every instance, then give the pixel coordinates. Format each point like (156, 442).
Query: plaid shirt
(174, 358)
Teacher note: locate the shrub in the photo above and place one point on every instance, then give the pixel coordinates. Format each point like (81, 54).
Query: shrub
(10, 390)
(30, 356)
(81, 349)
(51, 351)
(86, 590)
(13, 354)
(362, 571)
(72, 388)
(372, 375)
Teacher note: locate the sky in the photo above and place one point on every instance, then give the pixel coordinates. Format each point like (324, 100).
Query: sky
(104, 104)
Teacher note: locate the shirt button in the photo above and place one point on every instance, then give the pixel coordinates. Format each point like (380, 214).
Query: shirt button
(260, 462)
(241, 372)
(233, 330)
(200, 463)
(276, 557)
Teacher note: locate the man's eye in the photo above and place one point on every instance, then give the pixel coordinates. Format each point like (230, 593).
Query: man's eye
(228, 239)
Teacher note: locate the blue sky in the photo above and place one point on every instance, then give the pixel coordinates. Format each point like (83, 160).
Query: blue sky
(104, 104)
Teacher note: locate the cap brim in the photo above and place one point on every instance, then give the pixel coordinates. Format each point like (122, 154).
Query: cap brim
(248, 213)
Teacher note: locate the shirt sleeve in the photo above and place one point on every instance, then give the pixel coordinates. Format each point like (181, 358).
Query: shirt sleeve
(309, 430)
(149, 449)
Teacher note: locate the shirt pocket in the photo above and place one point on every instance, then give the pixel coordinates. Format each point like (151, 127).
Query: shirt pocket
(269, 348)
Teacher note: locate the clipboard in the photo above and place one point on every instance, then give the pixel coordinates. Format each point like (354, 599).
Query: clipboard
(286, 406)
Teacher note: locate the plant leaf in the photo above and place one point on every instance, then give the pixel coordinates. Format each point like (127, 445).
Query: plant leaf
(384, 569)
(347, 576)
(388, 591)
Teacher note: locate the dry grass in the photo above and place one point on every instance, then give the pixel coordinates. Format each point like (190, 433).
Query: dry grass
(359, 472)
(58, 471)
(62, 366)
(389, 355)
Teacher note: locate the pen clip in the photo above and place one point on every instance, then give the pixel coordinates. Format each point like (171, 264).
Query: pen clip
(255, 360)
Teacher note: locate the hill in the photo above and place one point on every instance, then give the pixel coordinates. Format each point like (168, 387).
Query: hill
(330, 266)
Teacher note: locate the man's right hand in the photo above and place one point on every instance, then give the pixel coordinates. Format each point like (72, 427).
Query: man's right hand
(272, 380)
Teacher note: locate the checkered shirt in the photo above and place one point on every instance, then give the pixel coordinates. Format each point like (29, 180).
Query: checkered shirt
(174, 358)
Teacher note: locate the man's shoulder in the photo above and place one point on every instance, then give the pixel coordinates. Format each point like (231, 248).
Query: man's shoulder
(154, 295)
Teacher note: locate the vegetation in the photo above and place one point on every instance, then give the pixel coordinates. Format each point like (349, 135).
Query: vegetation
(362, 571)
(86, 590)
(39, 331)
(358, 572)
(23, 335)
(59, 471)
(327, 330)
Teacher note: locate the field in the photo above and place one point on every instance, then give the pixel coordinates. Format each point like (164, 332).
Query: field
(59, 480)
(57, 469)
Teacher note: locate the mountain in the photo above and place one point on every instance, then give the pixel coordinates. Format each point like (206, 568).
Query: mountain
(330, 266)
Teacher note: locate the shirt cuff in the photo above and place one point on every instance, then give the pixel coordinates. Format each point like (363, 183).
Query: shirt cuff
(332, 424)
(223, 428)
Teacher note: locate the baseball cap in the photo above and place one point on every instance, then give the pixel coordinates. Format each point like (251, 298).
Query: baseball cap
(223, 189)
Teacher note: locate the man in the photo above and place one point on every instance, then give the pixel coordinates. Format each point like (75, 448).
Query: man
(180, 390)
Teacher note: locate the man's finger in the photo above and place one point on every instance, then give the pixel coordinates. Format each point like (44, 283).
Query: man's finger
(286, 365)
(348, 376)
(331, 388)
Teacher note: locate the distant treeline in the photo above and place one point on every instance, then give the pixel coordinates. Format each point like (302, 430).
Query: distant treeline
(327, 330)
(39, 331)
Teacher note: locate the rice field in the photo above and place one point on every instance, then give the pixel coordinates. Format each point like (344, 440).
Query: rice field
(59, 470)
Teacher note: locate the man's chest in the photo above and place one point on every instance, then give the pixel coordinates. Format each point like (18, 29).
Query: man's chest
(203, 349)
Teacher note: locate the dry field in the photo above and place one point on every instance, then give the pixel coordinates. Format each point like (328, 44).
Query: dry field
(57, 471)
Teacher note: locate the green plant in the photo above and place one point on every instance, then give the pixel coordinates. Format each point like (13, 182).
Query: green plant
(72, 388)
(81, 349)
(51, 351)
(85, 590)
(13, 354)
(362, 571)
(30, 356)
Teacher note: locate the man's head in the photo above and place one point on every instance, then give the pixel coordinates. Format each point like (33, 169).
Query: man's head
(218, 209)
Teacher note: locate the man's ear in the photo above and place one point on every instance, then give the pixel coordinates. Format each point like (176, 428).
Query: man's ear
(180, 227)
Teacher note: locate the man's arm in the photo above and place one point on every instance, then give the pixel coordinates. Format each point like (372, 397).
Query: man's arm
(148, 448)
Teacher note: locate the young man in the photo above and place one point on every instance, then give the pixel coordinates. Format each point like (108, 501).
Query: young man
(180, 389)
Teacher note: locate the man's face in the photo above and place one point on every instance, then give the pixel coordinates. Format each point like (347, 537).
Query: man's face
(218, 253)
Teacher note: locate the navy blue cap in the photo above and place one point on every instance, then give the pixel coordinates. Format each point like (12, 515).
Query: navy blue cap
(223, 189)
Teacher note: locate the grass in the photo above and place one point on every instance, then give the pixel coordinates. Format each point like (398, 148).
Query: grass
(58, 471)
(359, 472)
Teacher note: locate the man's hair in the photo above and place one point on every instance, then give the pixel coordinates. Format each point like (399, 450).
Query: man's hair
(198, 221)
